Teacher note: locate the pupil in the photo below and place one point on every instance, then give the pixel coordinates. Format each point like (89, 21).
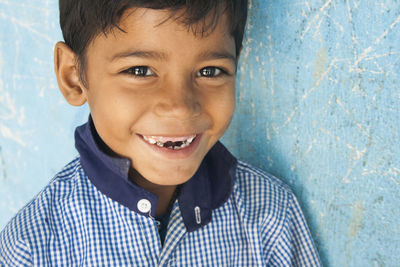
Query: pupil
(140, 71)
(208, 72)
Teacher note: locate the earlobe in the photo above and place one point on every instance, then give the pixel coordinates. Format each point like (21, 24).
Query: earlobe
(68, 75)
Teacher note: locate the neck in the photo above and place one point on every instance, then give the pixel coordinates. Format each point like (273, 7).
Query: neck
(164, 192)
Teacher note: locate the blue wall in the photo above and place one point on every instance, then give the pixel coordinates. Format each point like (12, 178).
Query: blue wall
(318, 106)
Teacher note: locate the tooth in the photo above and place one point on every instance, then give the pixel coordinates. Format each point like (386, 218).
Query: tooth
(160, 144)
(184, 145)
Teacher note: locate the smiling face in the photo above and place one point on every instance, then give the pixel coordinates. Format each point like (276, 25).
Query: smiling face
(159, 94)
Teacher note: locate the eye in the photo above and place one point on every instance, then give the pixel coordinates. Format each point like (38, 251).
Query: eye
(139, 71)
(210, 72)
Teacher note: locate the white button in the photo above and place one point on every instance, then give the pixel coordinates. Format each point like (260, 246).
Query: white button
(144, 205)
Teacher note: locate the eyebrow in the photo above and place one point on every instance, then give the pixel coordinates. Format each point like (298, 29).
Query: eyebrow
(140, 54)
(208, 55)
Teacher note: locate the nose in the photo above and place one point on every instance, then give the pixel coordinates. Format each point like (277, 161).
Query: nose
(178, 99)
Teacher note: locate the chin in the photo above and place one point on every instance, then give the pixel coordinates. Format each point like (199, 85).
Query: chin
(172, 177)
(170, 181)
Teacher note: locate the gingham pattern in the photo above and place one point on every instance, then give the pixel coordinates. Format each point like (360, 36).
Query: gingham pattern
(71, 223)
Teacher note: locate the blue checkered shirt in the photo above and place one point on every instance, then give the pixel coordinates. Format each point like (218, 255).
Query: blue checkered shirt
(74, 221)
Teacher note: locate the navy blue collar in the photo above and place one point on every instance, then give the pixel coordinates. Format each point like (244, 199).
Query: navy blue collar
(208, 189)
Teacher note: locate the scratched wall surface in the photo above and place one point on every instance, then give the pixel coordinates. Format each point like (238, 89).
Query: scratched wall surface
(318, 106)
(36, 136)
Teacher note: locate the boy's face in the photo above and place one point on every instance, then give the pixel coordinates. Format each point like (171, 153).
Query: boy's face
(158, 81)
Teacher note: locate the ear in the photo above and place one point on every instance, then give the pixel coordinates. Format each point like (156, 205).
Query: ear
(68, 75)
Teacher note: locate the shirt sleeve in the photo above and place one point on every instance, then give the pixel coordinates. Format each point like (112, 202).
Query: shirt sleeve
(14, 253)
(294, 246)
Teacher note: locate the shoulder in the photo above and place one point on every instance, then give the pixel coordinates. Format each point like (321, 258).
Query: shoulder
(269, 207)
(253, 175)
(62, 186)
(34, 220)
(260, 195)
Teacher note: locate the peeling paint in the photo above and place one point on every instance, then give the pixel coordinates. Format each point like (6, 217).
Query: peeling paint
(319, 65)
(357, 217)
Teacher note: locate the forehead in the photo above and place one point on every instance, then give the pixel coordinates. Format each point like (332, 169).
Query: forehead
(198, 25)
(157, 27)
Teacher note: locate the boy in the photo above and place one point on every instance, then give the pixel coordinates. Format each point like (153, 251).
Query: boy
(152, 185)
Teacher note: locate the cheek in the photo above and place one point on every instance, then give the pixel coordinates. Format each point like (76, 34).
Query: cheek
(231, 104)
(222, 110)
(118, 105)
(227, 116)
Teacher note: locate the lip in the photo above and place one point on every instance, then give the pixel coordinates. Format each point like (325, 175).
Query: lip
(174, 154)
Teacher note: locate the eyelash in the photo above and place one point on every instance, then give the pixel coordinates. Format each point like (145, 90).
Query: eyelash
(134, 71)
(144, 71)
(211, 70)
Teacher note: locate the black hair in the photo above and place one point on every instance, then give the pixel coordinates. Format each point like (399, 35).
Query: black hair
(82, 20)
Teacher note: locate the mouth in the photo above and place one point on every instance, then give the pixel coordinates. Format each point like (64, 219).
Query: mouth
(178, 147)
(173, 147)
(172, 143)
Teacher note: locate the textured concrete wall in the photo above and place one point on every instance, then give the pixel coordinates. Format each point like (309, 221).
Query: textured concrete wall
(318, 106)
(36, 123)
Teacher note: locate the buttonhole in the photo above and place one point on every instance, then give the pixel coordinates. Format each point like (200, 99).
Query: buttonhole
(197, 214)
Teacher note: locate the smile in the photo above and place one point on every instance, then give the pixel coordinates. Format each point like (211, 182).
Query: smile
(175, 143)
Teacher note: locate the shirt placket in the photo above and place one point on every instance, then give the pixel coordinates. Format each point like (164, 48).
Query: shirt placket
(150, 240)
(176, 231)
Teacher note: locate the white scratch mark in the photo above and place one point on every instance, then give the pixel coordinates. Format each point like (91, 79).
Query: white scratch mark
(327, 132)
(307, 93)
(272, 64)
(9, 104)
(390, 173)
(7, 133)
(341, 28)
(357, 123)
(381, 56)
(21, 117)
(345, 178)
(27, 26)
(358, 153)
(394, 181)
(294, 166)
(316, 17)
(377, 41)
(383, 35)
